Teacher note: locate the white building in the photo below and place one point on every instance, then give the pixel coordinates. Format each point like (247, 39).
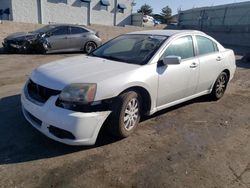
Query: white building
(104, 12)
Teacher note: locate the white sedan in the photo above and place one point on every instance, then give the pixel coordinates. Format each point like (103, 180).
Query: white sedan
(137, 73)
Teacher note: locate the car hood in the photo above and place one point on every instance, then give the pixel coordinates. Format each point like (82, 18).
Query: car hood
(20, 36)
(78, 69)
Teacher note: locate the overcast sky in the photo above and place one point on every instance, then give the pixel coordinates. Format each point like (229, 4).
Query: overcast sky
(176, 4)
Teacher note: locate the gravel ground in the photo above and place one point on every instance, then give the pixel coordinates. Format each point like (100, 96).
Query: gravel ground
(197, 144)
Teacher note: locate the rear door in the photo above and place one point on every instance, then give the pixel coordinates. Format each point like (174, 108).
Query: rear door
(59, 38)
(77, 38)
(210, 60)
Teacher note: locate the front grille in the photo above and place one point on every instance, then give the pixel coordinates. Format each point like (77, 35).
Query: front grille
(40, 93)
(16, 42)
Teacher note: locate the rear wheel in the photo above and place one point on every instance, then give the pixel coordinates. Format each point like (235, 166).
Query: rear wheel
(219, 86)
(89, 47)
(126, 114)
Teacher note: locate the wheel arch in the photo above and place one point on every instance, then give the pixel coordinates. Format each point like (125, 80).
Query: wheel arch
(227, 72)
(145, 96)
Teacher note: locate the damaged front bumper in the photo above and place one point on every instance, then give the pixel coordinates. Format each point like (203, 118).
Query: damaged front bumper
(62, 125)
(11, 45)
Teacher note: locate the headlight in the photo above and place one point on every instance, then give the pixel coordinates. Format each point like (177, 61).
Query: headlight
(78, 93)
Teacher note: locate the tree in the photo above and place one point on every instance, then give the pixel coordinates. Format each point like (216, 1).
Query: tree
(166, 13)
(145, 9)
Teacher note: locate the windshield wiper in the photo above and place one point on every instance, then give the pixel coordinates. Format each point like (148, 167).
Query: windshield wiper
(109, 57)
(112, 58)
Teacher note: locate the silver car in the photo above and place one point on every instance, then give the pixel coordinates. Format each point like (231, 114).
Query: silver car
(54, 38)
(137, 73)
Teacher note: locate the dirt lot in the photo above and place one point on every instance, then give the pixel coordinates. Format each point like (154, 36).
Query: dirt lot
(197, 144)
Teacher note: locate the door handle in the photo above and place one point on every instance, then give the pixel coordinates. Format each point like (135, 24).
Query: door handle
(194, 65)
(218, 58)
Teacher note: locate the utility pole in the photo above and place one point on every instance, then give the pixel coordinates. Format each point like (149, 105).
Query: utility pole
(39, 11)
(115, 13)
(88, 18)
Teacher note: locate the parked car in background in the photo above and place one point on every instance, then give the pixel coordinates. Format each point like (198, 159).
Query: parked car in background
(134, 74)
(148, 21)
(156, 22)
(54, 38)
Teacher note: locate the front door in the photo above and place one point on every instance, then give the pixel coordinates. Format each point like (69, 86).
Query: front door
(178, 81)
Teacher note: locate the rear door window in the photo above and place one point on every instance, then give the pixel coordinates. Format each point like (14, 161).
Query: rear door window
(77, 30)
(206, 45)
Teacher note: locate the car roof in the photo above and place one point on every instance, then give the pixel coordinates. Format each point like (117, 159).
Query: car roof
(166, 32)
(72, 25)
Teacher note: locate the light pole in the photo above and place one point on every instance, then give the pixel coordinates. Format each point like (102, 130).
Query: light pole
(39, 11)
(115, 12)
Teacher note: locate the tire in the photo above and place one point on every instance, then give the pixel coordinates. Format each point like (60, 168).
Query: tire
(41, 49)
(124, 119)
(6, 50)
(219, 87)
(9, 50)
(89, 47)
(25, 48)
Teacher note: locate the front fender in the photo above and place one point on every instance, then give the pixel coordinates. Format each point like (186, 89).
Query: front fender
(143, 77)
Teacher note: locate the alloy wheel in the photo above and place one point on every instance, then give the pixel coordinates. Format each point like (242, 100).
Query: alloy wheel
(131, 114)
(221, 85)
(90, 46)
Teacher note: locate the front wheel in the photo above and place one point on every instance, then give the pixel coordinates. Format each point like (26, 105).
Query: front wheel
(219, 86)
(89, 47)
(7, 50)
(126, 114)
(25, 48)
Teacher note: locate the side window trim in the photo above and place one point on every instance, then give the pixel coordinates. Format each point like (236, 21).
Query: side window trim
(216, 47)
(196, 50)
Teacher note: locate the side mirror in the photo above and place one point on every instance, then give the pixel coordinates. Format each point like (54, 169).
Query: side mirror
(172, 60)
(97, 34)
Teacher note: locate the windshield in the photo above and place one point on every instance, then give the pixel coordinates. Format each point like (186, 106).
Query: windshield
(44, 29)
(134, 49)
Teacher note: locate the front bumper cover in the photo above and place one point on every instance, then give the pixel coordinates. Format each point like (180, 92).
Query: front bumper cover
(84, 126)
